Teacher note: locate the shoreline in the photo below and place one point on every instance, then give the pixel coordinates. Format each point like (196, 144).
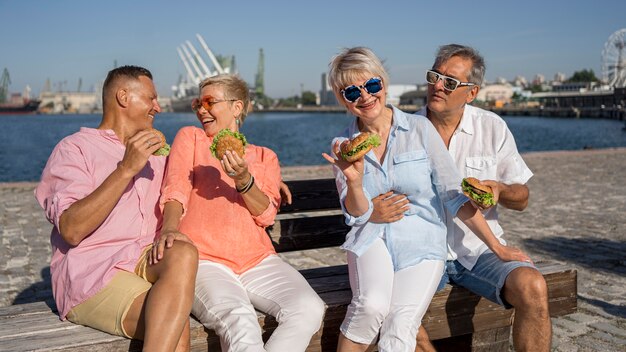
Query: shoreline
(321, 171)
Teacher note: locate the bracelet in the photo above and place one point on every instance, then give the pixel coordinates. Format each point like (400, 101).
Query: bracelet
(247, 187)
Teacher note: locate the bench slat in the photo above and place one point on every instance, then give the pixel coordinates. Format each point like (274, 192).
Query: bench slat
(308, 233)
(318, 194)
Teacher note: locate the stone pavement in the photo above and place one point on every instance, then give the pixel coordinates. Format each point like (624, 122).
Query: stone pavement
(576, 215)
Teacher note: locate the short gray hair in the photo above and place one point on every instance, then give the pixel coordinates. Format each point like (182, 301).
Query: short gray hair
(234, 88)
(477, 72)
(351, 64)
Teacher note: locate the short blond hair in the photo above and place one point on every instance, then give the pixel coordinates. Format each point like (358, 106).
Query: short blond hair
(351, 64)
(234, 88)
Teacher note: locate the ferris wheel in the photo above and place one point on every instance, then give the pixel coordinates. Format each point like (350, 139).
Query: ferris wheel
(614, 59)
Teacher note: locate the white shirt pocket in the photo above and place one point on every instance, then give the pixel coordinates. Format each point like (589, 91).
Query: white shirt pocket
(481, 167)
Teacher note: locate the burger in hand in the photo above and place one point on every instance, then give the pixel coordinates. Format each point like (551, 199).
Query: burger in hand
(228, 140)
(165, 148)
(358, 146)
(480, 194)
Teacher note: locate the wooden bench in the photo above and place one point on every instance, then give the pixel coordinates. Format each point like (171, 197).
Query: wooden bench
(456, 320)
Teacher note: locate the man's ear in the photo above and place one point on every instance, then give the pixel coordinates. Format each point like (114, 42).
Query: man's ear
(471, 95)
(122, 97)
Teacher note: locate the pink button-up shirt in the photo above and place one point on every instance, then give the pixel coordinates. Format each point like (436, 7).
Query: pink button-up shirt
(76, 167)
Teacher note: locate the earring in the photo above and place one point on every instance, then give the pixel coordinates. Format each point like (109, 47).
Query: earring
(238, 122)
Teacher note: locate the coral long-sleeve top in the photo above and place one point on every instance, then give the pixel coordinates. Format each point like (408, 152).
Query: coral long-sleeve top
(215, 216)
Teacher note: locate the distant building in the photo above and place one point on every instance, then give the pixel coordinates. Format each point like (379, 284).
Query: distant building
(395, 91)
(326, 95)
(574, 86)
(495, 93)
(415, 97)
(69, 102)
(539, 79)
(559, 77)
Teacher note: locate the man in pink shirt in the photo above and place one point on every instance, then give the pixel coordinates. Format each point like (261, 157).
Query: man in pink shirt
(100, 189)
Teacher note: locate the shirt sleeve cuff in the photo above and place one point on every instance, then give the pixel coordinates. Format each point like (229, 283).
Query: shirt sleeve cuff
(357, 220)
(454, 204)
(174, 196)
(266, 218)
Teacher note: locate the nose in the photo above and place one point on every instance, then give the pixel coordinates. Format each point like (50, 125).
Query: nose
(157, 107)
(439, 83)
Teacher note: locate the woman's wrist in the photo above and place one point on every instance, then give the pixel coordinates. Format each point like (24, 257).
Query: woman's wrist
(245, 187)
(241, 182)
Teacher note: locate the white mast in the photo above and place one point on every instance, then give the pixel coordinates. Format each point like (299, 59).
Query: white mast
(198, 78)
(189, 72)
(217, 65)
(199, 59)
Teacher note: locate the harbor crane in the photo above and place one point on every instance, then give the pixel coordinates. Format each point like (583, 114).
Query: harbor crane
(197, 69)
(5, 81)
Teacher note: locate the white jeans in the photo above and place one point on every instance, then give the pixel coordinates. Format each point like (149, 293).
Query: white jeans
(393, 303)
(226, 302)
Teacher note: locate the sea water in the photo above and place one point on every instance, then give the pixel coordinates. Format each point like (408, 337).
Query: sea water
(297, 138)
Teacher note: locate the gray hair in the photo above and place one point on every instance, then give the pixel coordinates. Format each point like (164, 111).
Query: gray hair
(234, 88)
(477, 72)
(351, 64)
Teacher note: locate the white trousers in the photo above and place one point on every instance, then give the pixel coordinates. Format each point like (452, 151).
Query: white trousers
(392, 303)
(226, 302)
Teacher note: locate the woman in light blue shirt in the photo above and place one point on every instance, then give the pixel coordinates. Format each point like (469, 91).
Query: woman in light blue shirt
(394, 267)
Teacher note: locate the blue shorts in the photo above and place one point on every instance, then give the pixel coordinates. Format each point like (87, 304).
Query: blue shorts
(486, 278)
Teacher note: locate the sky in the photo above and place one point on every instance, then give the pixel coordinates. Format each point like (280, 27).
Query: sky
(67, 41)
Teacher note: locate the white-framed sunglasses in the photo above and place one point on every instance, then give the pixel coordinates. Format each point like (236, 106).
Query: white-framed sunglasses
(449, 83)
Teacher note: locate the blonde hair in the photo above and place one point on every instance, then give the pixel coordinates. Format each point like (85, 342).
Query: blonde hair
(234, 88)
(351, 64)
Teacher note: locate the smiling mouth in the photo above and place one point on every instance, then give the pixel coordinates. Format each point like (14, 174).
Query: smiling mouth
(207, 121)
(368, 104)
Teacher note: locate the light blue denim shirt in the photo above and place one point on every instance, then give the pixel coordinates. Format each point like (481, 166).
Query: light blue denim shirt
(417, 164)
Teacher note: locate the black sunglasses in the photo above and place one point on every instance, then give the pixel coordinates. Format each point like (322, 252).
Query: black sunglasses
(449, 83)
(353, 93)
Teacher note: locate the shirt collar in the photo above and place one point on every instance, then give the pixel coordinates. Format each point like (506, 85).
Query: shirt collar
(466, 124)
(399, 119)
(107, 134)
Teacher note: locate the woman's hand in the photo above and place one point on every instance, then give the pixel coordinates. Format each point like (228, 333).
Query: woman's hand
(389, 207)
(166, 240)
(352, 171)
(236, 168)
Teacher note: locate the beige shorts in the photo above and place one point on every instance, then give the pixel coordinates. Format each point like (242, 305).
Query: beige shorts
(107, 309)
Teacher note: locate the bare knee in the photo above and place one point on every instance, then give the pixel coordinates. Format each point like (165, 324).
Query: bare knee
(179, 263)
(526, 288)
(182, 256)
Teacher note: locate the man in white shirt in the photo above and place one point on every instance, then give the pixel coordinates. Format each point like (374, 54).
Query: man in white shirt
(482, 147)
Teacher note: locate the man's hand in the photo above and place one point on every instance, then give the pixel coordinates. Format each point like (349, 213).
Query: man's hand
(514, 196)
(138, 149)
(166, 240)
(508, 254)
(389, 207)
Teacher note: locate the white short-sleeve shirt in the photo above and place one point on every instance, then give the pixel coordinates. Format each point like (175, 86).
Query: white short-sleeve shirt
(482, 147)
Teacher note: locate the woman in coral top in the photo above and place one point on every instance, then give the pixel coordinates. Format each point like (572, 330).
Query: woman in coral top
(224, 206)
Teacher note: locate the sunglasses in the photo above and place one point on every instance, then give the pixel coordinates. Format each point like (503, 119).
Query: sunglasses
(207, 103)
(353, 93)
(449, 83)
